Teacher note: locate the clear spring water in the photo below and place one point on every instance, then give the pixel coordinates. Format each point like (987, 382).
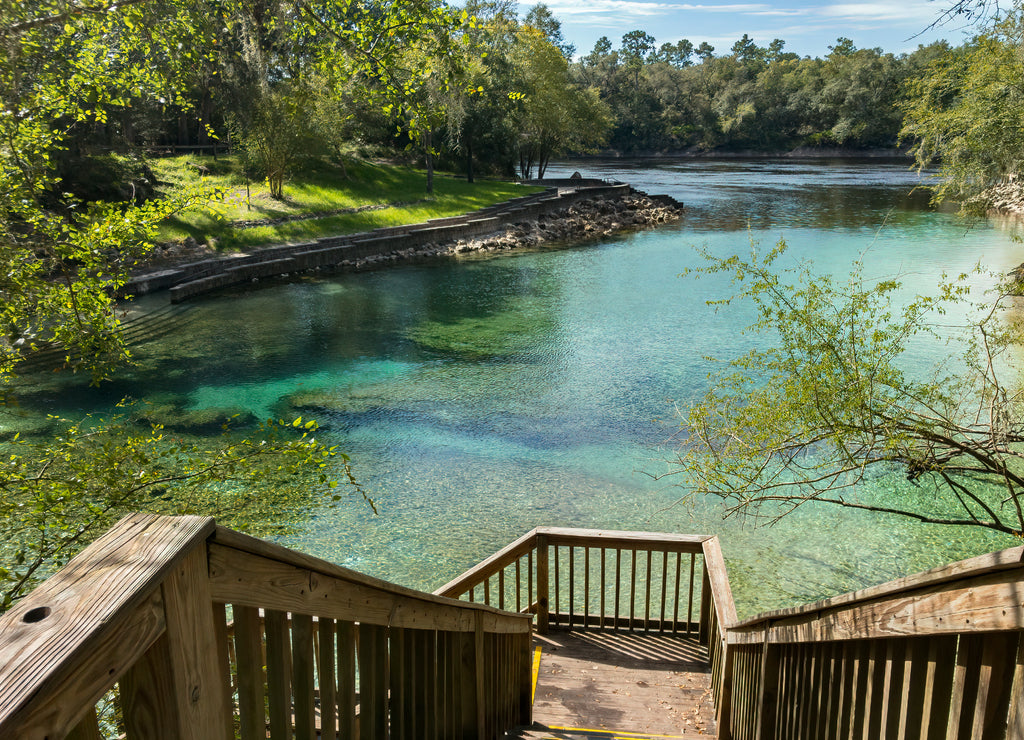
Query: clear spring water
(484, 396)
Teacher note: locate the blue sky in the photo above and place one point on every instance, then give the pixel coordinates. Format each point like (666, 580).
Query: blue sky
(807, 26)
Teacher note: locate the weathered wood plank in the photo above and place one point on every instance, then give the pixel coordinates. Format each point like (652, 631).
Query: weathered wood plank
(303, 702)
(981, 604)
(327, 678)
(543, 589)
(373, 684)
(146, 691)
(1015, 720)
(251, 679)
(718, 579)
(938, 686)
(654, 541)
(489, 566)
(224, 657)
(279, 686)
(250, 579)
(347, 726)
(87, 729)
(200, 701)
(974, 567)
(76, 635)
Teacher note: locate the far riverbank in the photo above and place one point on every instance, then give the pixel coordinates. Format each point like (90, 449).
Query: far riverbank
(569, 211)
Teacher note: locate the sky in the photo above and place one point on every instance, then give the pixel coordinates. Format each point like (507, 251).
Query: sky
(808, 27)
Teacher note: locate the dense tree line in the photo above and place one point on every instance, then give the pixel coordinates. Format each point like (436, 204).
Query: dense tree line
(677, 96)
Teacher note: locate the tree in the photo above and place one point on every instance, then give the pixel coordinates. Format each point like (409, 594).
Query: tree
(68, 67)
(554, 115)
(830, 404)
(541, 18)
(964, 112)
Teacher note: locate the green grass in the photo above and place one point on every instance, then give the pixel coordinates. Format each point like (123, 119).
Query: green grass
(319, 188)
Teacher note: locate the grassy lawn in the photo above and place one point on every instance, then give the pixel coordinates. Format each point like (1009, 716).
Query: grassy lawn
(321, 187)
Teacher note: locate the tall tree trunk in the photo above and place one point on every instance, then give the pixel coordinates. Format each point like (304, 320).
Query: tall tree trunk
(469, 154)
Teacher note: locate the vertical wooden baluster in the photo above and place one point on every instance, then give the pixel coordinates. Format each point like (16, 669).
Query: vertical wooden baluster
(647, 594)
(372, 681)
(689, 601)
(1015, 718)
(278, 669)
(472, 596)
(618, 582)
(225, 659)
(675, 600)
(558, 593)
(915, 662)
(995, 676)
(346, 635)
(586, 586)
(531, 598)
(707, 606)
(487, 591)
(303, 707)
(88, 728)
(572, 583)
(519, 587)
(604, 589)
(501, 588)
(632, 590)
(328, 680)
(479, 649)
(543, 595)
(664, 588)
(401, 682)
(251, 678)
(965, 682)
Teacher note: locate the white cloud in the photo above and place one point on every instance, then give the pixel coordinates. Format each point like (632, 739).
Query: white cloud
(632, 8)
(918, 11)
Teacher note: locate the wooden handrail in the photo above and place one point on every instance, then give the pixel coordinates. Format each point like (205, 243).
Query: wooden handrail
(145, 608)
(68, 642)
(489, 566)
(576, 596)
(933, 578)
(248, 571)
(935, 654)
(610, 538)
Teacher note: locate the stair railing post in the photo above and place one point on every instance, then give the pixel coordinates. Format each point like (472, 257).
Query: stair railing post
(542, 584)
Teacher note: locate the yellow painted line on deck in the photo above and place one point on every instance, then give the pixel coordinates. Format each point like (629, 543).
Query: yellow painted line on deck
(536, 673)
(614, 734)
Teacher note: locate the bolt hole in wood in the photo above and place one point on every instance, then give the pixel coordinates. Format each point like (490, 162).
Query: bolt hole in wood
(36, 615)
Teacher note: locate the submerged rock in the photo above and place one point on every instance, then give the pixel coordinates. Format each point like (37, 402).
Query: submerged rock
(175, 417)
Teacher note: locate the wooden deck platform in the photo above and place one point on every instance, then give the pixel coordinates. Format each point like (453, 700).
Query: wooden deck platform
(620, 685)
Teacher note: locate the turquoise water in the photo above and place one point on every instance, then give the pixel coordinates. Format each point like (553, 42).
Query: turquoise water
(484, 396)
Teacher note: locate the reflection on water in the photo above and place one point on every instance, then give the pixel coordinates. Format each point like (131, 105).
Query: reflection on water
(480, 398)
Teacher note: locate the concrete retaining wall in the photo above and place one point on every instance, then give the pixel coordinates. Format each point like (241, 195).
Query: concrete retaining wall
(189, 280)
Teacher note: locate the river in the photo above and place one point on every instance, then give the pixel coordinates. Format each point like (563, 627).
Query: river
(484, 396)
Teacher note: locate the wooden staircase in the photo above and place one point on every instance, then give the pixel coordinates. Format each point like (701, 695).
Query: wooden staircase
(173, 627)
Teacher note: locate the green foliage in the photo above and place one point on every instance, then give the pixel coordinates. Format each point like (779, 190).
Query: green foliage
(276, 136)
(368, 196)
(59, 495)
(70, 69)
(964, 112)
(831, 404)
(554, 116)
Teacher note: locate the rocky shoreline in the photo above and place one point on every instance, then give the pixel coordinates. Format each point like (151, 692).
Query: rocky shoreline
(590, 219)
(1007, 198)
(575, 212)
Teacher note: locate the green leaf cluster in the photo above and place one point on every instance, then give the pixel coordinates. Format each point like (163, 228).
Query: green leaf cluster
(830, 402)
